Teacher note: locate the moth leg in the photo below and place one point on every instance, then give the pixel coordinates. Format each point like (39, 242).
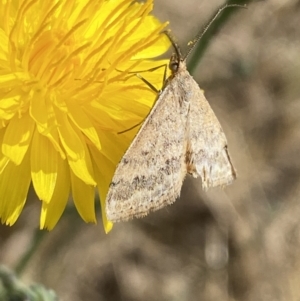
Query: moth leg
(152, 88)
(148, 83)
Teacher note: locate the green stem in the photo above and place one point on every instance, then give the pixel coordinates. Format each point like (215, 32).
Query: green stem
(37, 239)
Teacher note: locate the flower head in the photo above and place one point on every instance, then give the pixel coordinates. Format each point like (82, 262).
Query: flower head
(67, 87)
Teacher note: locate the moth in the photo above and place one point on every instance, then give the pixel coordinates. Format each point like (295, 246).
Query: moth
(180, 136)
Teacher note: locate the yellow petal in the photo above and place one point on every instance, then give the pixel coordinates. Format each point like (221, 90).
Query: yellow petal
(149, 25)
(3, 48)
(9, 104)
(69, 138)
(17, 138)
(39, 109)
(3, 159)
(103, 173)
(84, 199)
(44, 169)
(109, 142)
(77, 152)
(14, 185)
(7, 80)
(52, 211)
(78, 116)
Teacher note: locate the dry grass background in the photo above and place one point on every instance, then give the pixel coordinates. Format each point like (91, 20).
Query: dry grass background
(241, 243)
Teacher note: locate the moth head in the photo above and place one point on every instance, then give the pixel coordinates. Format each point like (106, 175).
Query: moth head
(174, 63)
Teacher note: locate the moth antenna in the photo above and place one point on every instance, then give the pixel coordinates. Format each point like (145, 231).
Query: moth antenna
(204, 30)
(174, 43)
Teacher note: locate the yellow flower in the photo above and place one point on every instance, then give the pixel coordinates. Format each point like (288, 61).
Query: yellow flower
(67, 87)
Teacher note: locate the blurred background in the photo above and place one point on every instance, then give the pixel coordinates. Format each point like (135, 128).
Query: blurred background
(239, 243)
